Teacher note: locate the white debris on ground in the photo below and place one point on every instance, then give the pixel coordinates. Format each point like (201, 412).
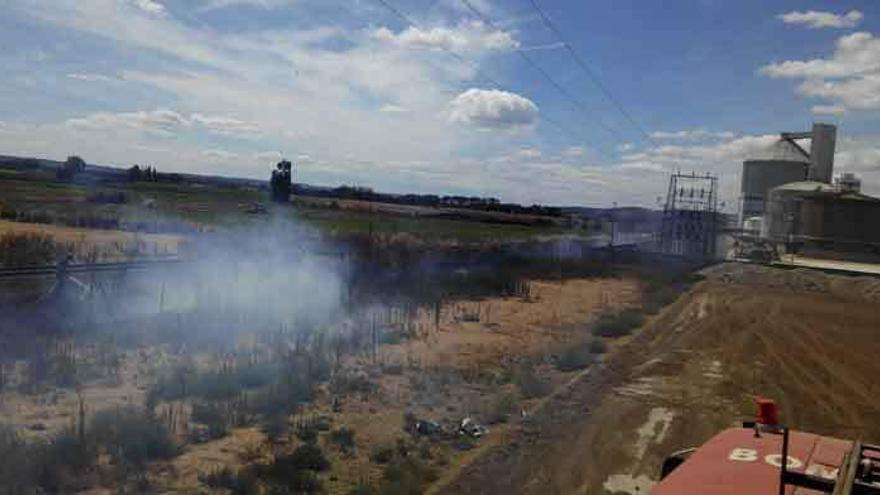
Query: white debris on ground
(646, 386)
(714, 371)
(653, 430)
(626, 483)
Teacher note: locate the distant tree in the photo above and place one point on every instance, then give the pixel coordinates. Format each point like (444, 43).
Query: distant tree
(281, 182)
(146, 174)
(76, 163)
(70, 168)
(134, 173)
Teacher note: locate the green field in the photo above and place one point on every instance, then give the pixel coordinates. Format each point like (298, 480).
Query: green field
(38, 197)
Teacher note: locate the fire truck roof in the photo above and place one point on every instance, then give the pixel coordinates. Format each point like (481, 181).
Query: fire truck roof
(737, 462)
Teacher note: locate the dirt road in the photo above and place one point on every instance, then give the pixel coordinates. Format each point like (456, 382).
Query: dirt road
(806, 339)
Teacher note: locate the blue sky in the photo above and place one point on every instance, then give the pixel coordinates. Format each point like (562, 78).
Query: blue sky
(441, 102)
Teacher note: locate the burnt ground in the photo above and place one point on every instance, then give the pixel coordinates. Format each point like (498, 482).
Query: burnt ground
(807, 339)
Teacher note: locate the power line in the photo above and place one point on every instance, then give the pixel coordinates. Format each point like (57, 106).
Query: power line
(525, 56)
(410, 21)
(586, 68)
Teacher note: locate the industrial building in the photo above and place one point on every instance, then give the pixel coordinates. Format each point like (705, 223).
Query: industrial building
(815, 215)
(785, 162)
(790, 198)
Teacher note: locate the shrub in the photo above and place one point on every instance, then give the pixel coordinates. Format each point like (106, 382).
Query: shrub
(464, 443)
(406, 476)
(27, 249)
(243, 483)
(529, 383)
(393, 337)
(275, 427)
(69, 450)
(500, 407)
(307, 433)
(392, 369)
(575, 358)
(17, 473)
(351, 383)
(60, 465)
(131, 437)
(309, 456)
(302, 481)
(185, 381)
(598, 346)
(362, 489)
(620, 324)
(296, 471)
(281, 397)
(343, 438)
(382, 455)
(212, 416)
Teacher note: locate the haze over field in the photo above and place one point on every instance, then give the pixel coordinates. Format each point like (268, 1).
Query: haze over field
(354, 94)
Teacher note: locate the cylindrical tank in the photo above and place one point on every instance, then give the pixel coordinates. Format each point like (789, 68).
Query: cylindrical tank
(760, 176)
(816, 212)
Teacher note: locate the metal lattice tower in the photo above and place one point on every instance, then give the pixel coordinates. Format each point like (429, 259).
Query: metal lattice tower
(690, 216)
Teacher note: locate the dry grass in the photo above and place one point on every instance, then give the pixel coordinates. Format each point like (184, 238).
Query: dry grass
(98, 245)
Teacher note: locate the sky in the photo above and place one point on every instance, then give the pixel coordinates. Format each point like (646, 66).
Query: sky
(559, 102)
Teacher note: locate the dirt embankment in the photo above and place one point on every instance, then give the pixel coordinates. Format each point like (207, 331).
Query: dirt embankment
(807, 339)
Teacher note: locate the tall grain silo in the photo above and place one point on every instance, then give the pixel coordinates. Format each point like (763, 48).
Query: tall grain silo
(784, 162)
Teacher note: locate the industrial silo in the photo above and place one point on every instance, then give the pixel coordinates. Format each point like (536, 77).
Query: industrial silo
(787, 161)
(782, 163)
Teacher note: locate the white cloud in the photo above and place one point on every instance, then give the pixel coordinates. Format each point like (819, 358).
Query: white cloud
(547, 46)
(529, 153)
(858, 93)
(493, 109)
(392, 109)
(466, 36)
(160, 120)
(829, 109)
(574, 152)
(301, 90)
(855, 54)
(860, 156)
(221, 154)
(269, 156)
(849, 79)
(814, 19)
(150, 6)
(91, 77)
(691, 135)
(723, 158)
(265, 4)
(224, 125)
